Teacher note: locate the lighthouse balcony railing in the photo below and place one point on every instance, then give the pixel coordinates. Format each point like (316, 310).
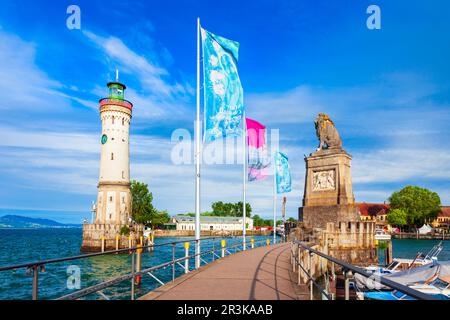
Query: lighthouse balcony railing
(119, 102)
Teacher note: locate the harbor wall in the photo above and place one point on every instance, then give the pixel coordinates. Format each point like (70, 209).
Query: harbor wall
(105, 237)
(413, 235)
(352, 242)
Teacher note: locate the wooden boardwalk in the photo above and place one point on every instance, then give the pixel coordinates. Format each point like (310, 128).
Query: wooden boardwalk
(263, 273)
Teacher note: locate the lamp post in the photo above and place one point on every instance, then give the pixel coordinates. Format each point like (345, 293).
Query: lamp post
(93, 212)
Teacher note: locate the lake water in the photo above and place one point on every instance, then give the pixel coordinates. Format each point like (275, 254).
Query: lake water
(22, 246)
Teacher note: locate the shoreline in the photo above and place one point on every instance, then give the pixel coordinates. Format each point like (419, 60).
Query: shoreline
(415, 236)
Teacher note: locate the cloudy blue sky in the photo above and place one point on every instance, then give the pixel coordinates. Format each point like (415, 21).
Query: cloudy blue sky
(387, 91)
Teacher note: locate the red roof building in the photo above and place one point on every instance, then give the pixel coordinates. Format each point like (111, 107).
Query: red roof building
(378, 212)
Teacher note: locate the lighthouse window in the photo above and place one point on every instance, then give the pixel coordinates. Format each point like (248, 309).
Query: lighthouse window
(123, 121)
(113, 120)
(123, 174)
(110, 199)
(112, 156)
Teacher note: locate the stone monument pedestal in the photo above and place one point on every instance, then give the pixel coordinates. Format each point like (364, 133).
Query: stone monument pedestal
(328, 193)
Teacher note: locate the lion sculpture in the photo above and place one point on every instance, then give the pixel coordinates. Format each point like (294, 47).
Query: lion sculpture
(326, 132)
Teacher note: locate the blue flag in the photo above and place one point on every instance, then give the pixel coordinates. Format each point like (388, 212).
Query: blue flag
(283, 172)
(224, 96)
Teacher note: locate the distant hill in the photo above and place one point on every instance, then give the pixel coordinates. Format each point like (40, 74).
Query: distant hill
(12, 221)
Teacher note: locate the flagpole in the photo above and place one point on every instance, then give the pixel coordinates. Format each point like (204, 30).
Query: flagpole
(244, 201)
(274, 203)
(197, 157)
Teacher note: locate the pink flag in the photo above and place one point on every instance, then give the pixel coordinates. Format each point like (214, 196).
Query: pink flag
(258, 161)
(256, 134)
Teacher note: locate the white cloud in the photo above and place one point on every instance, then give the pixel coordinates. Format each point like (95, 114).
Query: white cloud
(159, 95)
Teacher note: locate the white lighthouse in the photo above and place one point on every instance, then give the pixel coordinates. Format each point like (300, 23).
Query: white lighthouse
(113, 209)
(114, 198)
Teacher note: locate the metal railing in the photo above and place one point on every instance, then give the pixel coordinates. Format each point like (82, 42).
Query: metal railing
(39, 266)
(348, 272)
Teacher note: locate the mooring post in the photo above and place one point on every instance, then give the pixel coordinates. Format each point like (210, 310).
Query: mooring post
(117, 242)
(388, 253)
(213, 249)
(152, 237)
(130, 244)
(186, 262)
(252, 241)
(103, 243)
(268, 242)
(133, 275)
(138, 263)
(224, 243)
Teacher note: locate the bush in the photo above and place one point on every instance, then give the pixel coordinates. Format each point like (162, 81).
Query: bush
(125, 231)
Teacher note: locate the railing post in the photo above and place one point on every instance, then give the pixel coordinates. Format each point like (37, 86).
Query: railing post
(293, 257)
(186, 262)
(311, 287)
(224, 243)
(133, 274)
(197, 254)
(138, 264)
(173, 262)
(35, 282)
(347, 276)
(333, 273)
(299, 275)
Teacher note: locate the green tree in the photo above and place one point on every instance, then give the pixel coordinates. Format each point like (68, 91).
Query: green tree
(221, 209)
(397, 217)
(419, 204)
(218, 208)
(143, 210)
(238, 207)
(160, 218)
(257, 221)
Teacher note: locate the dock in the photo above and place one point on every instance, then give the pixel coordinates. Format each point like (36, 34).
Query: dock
(264, 273)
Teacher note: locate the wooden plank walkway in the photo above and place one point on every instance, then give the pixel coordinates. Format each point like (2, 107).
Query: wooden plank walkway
(263, 273)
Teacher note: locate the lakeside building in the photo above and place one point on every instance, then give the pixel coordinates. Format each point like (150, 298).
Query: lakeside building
(443, 219)
(378, 213)
(211, 223)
